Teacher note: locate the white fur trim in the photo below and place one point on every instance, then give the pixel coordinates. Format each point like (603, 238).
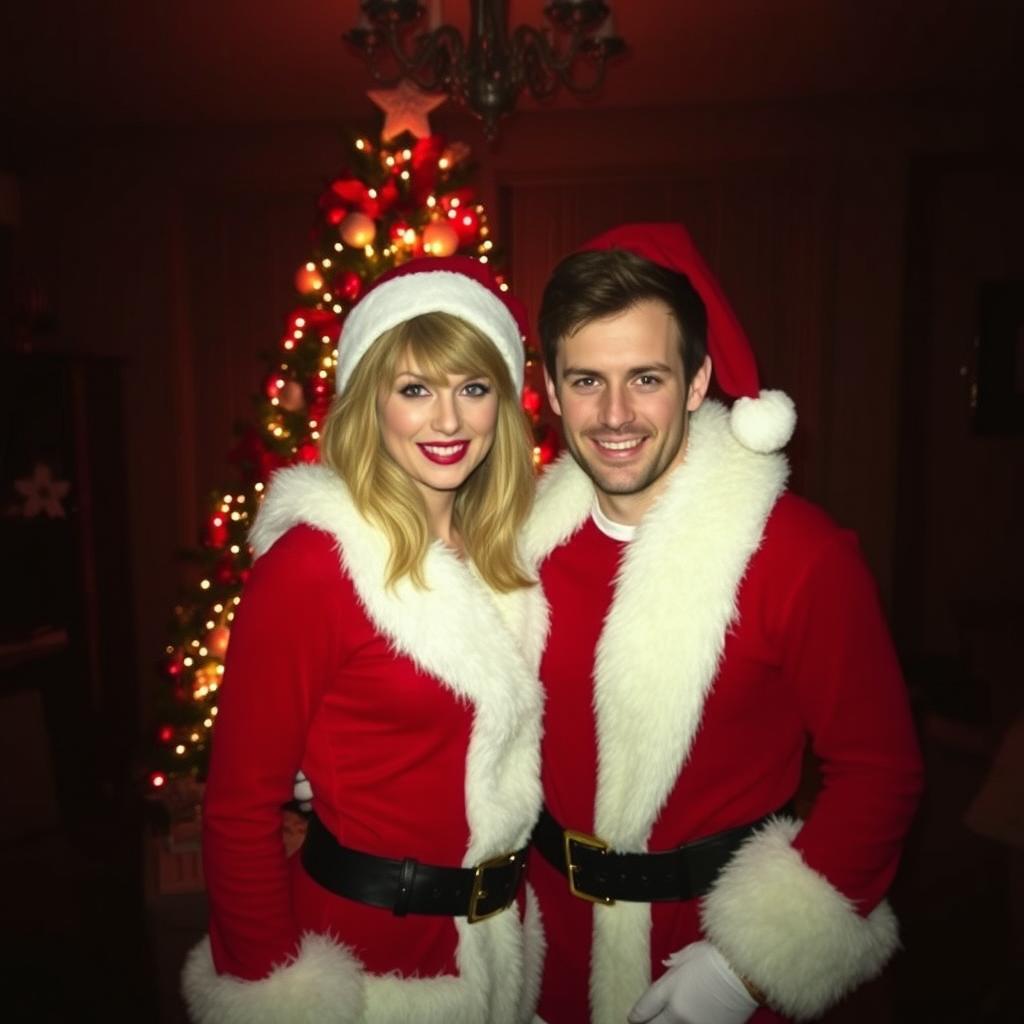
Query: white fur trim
(564, 498)
(486, 649)
(326, 984)
(766, 423)
(429, 291)
(487, 990)
(620, 960)
(534, 950)
(323, 984)
(667, 634)
(458, 631)
(789, 930)
(675, 599)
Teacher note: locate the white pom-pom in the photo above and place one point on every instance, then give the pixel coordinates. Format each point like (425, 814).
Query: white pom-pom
(302, 791)
(763, 424)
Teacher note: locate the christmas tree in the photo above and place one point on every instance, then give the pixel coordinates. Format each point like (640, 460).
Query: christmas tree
(400, 197)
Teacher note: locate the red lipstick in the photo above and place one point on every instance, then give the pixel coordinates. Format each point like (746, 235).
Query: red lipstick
(444, 453)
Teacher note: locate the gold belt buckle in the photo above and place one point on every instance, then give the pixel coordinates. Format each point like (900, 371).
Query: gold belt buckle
(479, 893)
(591, 843)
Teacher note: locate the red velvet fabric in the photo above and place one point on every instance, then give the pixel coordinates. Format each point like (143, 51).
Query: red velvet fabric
(809, 655)
(310, 683)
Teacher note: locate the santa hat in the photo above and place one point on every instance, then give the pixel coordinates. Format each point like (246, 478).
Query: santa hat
(458, 285)
(760, 420)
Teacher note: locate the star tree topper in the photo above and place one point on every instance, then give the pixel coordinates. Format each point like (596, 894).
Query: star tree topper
(405, 109)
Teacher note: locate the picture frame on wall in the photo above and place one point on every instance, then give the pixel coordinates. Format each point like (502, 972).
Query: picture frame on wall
(998, 393)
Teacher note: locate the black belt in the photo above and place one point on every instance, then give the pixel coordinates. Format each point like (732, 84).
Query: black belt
(601, 875)
(408, 886)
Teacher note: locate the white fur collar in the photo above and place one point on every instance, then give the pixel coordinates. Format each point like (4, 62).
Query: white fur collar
(484, 647)
(675, 598)
(658, 655)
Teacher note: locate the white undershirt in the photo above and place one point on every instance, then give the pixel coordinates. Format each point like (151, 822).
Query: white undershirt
(610, 528)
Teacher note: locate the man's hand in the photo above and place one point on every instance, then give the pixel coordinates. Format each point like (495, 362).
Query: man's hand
(699, 987)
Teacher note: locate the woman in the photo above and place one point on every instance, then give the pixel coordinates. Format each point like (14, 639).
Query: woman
(387, 644)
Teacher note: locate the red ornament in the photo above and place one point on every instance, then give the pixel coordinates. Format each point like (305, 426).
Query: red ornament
(357, 230)
(165, 734)
(308, 452)
(348, 284)
(311, 321)
(308, 280)
(548, 446)
(531, 401)
(466, 223)
(440, 238)
(424, 170)
(217, 641)
(217, 531)
(458, 199)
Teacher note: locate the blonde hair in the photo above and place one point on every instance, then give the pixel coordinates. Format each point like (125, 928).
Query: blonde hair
(490, 506)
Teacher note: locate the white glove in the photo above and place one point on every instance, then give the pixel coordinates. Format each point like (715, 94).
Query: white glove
(302, 791)
(699, 987)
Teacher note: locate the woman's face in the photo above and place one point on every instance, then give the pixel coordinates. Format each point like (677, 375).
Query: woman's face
(437, 434)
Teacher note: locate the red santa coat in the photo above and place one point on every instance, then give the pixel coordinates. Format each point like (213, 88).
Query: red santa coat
(684, 672)
(415, 714)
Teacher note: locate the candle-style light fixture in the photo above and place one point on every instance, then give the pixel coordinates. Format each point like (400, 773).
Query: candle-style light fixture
(488, 71)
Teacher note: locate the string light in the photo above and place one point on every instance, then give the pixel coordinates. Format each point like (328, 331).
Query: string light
(195, 662)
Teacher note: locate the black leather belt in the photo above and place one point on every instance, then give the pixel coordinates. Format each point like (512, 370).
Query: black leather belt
(408, 886)
(601, 875)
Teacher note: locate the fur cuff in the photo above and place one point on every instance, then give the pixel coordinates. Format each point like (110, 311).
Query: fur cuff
(786, 928)
(534, 950)
(323, 984)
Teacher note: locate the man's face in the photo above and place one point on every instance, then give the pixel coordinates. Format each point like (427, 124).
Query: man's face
(621, 393)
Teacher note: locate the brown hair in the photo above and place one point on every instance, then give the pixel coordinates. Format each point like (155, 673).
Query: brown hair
(600, 283)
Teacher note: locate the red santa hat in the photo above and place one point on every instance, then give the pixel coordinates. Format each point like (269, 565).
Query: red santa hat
(760, 420)
(458, 285)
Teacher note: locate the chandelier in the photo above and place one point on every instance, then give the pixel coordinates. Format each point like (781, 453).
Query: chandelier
(488, 72)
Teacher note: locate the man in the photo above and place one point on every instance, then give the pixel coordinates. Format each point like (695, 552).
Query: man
(704, 622)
